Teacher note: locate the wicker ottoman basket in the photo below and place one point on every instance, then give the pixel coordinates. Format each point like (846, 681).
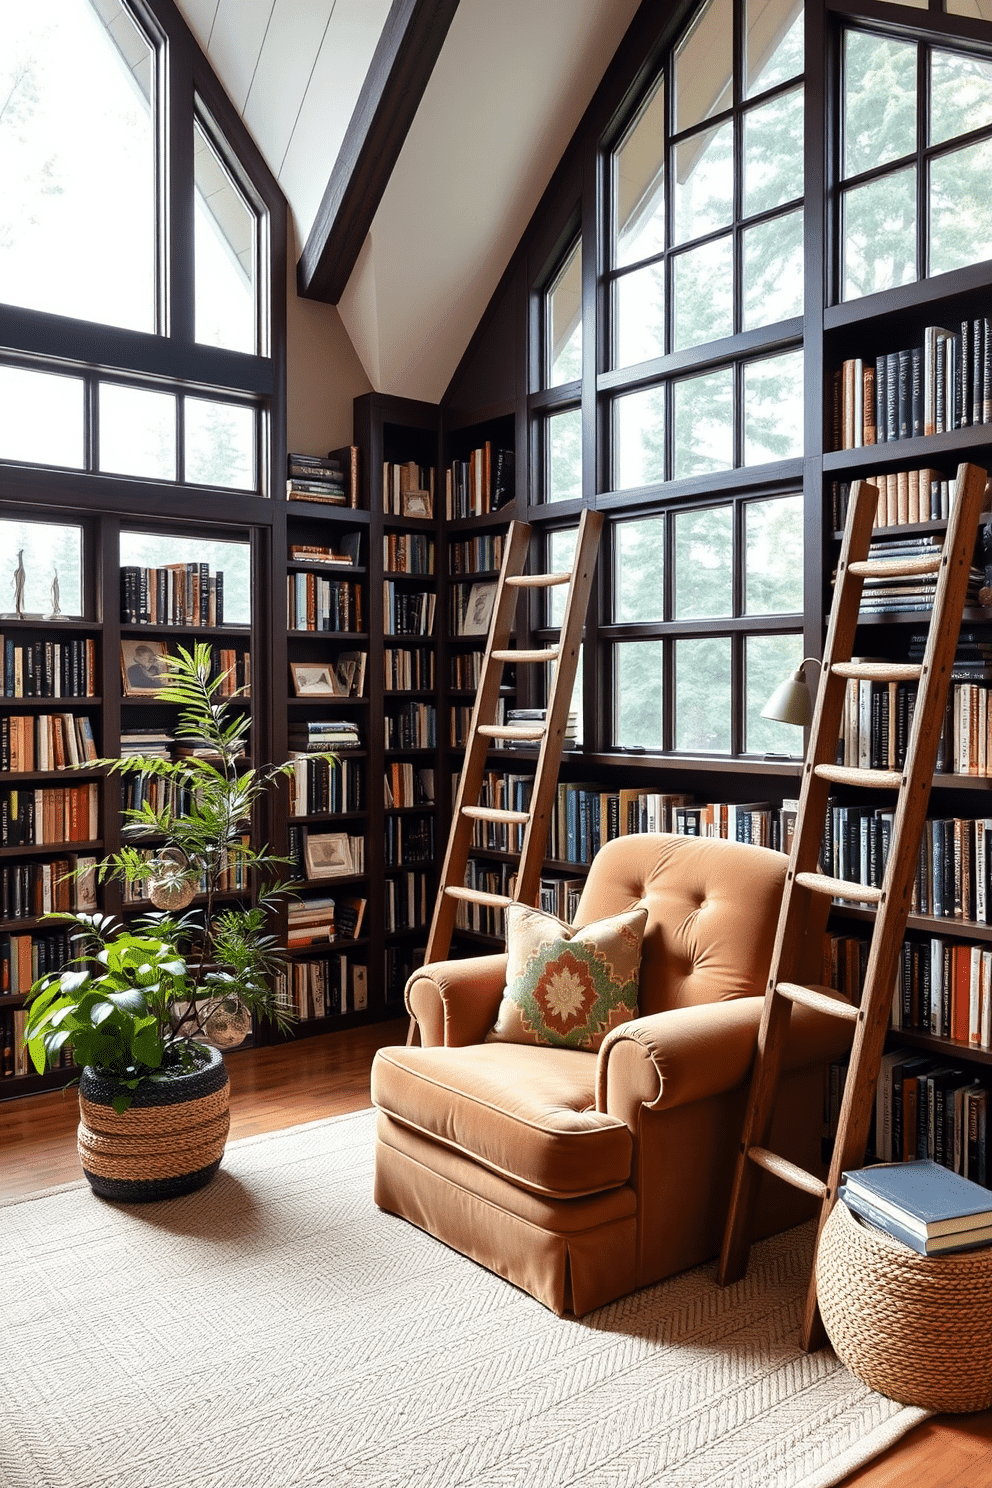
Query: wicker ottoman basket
(916, 1328)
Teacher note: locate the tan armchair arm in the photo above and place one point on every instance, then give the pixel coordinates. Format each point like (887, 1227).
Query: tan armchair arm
(456, 1002)
(674, 1058)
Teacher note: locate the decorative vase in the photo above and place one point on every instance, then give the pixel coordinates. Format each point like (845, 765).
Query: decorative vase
(169, 1141)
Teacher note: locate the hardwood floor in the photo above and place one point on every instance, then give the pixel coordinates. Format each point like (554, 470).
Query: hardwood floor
(327, 1076)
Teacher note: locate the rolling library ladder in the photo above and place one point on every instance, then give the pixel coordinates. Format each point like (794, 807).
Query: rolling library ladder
(548, 734)
(803, 880)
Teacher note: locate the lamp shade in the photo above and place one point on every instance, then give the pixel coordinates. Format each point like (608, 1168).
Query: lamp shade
(790, 702)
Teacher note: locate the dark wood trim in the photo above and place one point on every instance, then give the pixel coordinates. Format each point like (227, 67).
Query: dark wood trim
(398, 75)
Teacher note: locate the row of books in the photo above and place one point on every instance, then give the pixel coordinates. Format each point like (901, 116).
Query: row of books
(316, 603)
(29, 890)
(408, 552)
(412, 726)
(944, 384)
(920, 1112)
(475, 555)
(321, 786)
(323, 988)
(943, 987)
(325, 919)
(926, 1206)
(15, 1061)
(904, 496)
(407, 611)
(504, 792)
(142, 791)
(25, 958)
(470, 607)
(407, 489)
(406, 784)
(409, 668)
(481, 484)
(346, 551)
(47, 741)
(331, 478)
(172, 594)
(954, 867)
(49, 815)
(407, 901)
(586, 816)
(883, 594)
(560, 896)
(408, 840)
(48, 669)
(487, 878)
(465, 670)
(317, 855)
(144, 669)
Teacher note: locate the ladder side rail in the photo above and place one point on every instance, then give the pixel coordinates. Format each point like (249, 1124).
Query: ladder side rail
(797, 905)
(474, 763)
(542, 801)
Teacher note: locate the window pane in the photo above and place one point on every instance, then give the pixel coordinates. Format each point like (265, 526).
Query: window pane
(704, 552)
(773, 271)
(220, 444)
(137, 432)
(564, 434)
(960, 95)
(638, 692)
(704, 424)
(561, 556)
(704, 66)
(961, 208)
(639, 184)
(880, 234)
(773, 153)
(879, 101)
(77, 163)
(773, 49)
(226, 253)
(563, 318)
(773, 572)
(704, 183)
(703, 291)
(769, 660)
(639, 431)
(43, 552)
(41, 418)
(232, 559)
(640, 315)
(773, 408)
(702, 695)
(981, 9)
(639, 579)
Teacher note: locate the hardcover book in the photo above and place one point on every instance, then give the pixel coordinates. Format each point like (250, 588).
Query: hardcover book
(924, 1196)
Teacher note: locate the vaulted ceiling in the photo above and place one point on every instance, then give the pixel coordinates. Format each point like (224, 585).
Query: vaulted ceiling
(472, 154)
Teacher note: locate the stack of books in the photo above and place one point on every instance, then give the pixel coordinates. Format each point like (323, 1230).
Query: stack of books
(884, 594)
(323, 734)
(537, 716)
(925, 1205)
(316, 478)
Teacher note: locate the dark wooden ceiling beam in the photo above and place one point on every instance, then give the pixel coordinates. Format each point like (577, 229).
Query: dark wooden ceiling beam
(401, 67)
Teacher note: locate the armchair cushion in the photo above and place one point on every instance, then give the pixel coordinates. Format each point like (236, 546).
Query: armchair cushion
(568, 987)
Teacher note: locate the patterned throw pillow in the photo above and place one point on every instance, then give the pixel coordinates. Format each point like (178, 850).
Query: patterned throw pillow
(568, 987)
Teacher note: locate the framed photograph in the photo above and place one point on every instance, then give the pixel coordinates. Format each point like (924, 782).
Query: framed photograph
(311, 679)
(328, 855)
(417, 504)
(479, 610)
(143, 668)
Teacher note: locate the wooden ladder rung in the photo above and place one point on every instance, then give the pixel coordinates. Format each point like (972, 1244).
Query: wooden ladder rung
(852, 775)
(496, 814)
(895, 568)
(538, 581)
(477, 896)
(548, 653)
(820, 1002)
(789, 1172)
(878, 671)
(839, 888)
(510, 731)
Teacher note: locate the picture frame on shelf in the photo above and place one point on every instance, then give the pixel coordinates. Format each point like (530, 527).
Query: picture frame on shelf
(417, 504)
(327, 855)
(479, 609)
(314, 679)
(143, 668)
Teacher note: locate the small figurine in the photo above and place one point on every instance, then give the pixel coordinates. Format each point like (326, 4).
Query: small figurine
(56, 611)
(20, 578)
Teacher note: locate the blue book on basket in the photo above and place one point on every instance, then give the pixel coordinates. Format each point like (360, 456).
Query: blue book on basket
(923, 1197)
(934, 1245)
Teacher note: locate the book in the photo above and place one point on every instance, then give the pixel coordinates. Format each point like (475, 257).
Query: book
(923, 1245)
(924, 1196)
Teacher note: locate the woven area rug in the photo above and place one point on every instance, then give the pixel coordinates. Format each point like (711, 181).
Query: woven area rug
(275, 1329)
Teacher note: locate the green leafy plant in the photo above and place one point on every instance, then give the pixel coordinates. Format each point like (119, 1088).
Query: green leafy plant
(139, 1001)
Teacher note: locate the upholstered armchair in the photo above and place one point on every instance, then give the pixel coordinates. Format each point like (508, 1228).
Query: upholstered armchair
(577, 1175)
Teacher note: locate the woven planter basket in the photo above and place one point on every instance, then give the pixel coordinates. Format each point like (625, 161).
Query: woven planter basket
(169, 1141)
(916, 1328)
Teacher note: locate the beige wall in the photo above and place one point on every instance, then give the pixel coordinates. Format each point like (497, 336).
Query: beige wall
(323, 373)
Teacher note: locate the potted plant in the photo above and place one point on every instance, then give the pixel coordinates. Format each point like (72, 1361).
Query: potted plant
(147, 1007)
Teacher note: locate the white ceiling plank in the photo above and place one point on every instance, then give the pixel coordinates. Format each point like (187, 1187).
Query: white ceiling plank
(282, 75)
(342, 63)
(199, 17)
(239, 30)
